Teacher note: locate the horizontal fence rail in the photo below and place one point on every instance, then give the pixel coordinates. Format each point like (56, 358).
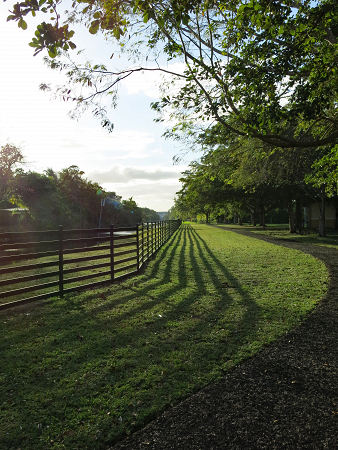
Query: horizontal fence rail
(53, 263)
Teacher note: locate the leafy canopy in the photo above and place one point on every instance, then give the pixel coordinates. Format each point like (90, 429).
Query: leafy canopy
(261, 68)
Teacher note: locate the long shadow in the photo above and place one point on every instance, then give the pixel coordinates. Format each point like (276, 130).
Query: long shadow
(150, 341)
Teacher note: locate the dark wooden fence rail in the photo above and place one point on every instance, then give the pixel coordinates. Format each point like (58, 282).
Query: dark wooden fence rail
(61, 261)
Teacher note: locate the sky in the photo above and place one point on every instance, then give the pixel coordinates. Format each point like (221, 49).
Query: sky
(134, 160)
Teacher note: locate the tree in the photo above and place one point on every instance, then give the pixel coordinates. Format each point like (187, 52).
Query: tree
(10, 157)
(149, 215)
(82, 196)
(261, 68)
(132, 213)
(201, 193)
(39, 193)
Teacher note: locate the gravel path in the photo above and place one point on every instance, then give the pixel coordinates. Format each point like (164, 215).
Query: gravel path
(286, 397)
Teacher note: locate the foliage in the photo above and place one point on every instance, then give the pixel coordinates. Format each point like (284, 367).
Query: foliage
(10, 157)
(254, 177)
(84, 371)
(261, 68)
(67, 198)
(325, 171)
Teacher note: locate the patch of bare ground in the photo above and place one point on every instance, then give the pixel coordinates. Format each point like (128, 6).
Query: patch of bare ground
(284, 398)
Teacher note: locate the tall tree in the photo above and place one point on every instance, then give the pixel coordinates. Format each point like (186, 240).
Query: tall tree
(10, 157)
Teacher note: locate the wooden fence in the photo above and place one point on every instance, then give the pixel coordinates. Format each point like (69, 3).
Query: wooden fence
(59, 257)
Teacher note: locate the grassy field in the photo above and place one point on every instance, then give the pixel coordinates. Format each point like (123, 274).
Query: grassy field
(308, 235)
(84, 371)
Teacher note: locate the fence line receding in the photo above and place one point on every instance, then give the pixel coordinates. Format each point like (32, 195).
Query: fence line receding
(52, 263)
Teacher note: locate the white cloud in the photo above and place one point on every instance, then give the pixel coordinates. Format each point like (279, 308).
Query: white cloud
(120, 174)
(151, 186)
(158, 196)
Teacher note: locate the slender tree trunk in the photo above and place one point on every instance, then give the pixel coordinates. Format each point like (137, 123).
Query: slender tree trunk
(262, 217)
(299, 218)
(322, 212)
(292, 228)
(240, 221)
(253, 218)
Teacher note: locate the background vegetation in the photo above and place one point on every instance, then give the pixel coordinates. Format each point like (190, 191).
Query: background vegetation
(59, 198)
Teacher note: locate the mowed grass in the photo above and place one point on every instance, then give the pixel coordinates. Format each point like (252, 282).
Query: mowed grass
(307, 236)
(84, 371)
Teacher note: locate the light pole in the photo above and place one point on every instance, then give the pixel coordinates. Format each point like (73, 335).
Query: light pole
(103, 202)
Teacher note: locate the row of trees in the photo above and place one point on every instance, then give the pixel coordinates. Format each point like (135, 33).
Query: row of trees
(64, 197)
(239, 176)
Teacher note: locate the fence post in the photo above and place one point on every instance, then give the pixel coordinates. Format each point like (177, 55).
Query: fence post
(138, 248)
(155, 226)
(158, 235)
(112, 252)
(60, 261)
(147, 240)
(142, 244)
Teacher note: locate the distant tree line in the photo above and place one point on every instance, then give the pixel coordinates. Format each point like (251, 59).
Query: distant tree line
(65, 197)
(241, 178)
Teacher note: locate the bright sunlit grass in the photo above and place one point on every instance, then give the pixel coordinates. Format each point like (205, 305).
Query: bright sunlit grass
(84, 371)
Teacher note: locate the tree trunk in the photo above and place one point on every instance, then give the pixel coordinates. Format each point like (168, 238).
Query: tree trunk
(292, 228)
(299, 218)
(322, 212)
(240, 221)
(262, 217)
(253, 219)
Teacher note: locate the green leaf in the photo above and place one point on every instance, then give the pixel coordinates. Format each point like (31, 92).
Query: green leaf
(146, 17)
(52, 53)
(94, 27)
(22, 24)
(97, 15)
(185, 19)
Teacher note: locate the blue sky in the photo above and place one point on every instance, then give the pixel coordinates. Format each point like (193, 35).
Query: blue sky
(134, 160)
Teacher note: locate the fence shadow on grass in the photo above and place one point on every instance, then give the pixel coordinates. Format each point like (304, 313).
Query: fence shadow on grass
(140, 347)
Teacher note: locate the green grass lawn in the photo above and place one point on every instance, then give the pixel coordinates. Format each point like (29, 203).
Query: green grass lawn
(308, 235)
(83, 371)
